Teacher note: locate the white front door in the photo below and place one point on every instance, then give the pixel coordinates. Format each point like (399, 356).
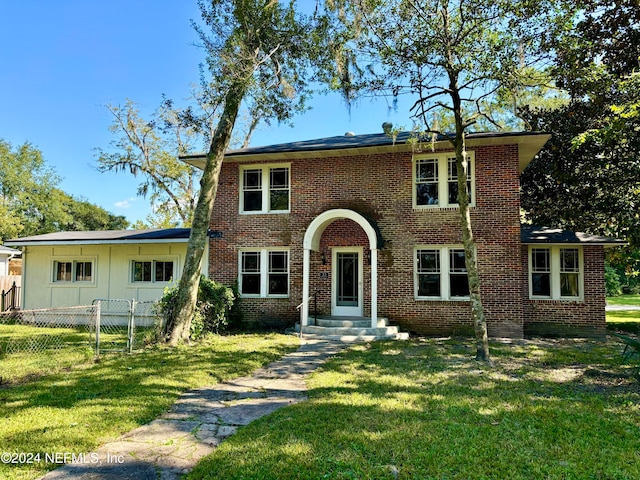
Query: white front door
(346, 287)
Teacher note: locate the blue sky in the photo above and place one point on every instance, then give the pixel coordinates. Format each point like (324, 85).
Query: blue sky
(61, 61)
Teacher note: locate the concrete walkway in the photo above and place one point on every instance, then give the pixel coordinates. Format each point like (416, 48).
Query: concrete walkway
(173, 444)
(621, 308)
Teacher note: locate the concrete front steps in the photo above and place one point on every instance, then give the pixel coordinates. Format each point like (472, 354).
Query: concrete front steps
(350, 329)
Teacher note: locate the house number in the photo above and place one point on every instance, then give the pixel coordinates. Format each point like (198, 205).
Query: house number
(324, 274)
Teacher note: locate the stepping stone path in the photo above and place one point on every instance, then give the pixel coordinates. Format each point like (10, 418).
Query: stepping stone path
(172, 445)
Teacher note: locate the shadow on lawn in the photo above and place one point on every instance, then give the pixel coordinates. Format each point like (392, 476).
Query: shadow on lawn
(423, 409)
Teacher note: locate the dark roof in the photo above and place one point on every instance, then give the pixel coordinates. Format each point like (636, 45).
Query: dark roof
(352, 141)
(105, 236)
(532, 234)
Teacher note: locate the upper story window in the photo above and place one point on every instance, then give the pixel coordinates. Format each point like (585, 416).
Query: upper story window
(265, 188)
(73, 271)
(555, 273)
(151, 271)
(436, 180)
(440, 273)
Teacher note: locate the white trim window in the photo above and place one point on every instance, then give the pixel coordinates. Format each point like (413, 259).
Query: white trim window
(555, 272)
(435, 180)
(265, 188)
(440, 273)
(73, 271)
(263, 272)
(152, 271)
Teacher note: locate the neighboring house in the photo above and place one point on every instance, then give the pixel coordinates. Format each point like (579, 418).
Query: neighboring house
(10, 279)
(366, 226)
(6, 254)
(74, 268)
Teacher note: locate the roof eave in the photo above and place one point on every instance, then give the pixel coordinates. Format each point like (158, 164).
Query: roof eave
(529, 143)
(611, 244)
(30, 243)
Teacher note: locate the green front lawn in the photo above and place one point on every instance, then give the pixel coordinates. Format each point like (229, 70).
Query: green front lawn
(424, 409)
(624, 300)
(62, 401)
(625, 320)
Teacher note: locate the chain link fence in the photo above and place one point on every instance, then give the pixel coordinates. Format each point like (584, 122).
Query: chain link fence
(108, 325)
(125, 324)
(46, 329)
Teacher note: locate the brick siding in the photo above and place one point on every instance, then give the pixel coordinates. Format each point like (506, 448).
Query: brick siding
(379, 186)
(585, 318)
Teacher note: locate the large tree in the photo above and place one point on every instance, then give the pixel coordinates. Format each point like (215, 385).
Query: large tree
(261, 53)
(456, 56)
(31, 202)
(150, 149)
(587, 177)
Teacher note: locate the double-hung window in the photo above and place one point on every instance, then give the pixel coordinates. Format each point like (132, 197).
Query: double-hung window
(265, 188)
(540, 272)
(151, 271)
(435, 182)
(440, 273)
(264, 273)
(555, 273)
(73, 271)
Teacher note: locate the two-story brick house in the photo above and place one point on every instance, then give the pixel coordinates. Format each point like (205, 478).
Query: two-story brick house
(366, 226)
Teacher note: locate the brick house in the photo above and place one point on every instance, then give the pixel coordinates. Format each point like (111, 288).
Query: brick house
(363, 226)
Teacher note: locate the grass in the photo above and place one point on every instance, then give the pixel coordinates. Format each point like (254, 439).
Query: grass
(63, 401)
(424, 409)
(35, 349)
(624, 320)
(624, 300)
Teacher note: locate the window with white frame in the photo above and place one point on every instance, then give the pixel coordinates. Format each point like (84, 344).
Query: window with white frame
(264, 273)
(73, 271)
(436, 180)
(440, 273)
(151, 271)
(265, 188)
(555, 272)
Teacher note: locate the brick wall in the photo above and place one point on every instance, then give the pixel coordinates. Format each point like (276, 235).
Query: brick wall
(569, 318)
(380, 187)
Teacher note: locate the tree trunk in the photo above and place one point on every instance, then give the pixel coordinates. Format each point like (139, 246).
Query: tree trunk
(189, 282)
(477, 310)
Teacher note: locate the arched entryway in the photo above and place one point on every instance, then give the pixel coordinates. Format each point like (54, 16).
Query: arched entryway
(311, 242)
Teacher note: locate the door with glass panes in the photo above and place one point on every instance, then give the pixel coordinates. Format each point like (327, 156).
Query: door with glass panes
(346, 295)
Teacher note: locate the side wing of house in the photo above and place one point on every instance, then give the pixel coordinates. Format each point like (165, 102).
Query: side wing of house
(76, 268)
(564, 286)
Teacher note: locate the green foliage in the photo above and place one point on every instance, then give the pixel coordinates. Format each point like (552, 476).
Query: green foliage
(586, 178)
(150, 148)
(613, 286)
(31, 202)
(214, 312)
(626, 262)
(601, 48)
(473, 56)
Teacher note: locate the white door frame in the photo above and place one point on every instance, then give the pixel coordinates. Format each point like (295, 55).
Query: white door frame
(339, 310)
(311, 242)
